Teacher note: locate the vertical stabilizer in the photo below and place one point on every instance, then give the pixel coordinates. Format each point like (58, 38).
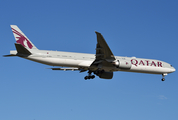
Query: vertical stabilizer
(21, 38)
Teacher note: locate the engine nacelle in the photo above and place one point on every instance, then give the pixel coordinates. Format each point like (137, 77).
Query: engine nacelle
(123, 64)
(106, 75)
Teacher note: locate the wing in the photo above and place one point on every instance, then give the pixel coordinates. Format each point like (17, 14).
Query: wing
(104, 56)
(103, 51)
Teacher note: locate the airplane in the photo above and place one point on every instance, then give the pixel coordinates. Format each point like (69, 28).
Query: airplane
(102, 64)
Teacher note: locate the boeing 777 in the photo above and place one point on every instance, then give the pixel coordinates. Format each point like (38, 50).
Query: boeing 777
(103, 63)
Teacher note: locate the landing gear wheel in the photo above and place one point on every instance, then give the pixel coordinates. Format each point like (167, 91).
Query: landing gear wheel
(92, 76)
(163, 79)
(89, 77)
(86, 77)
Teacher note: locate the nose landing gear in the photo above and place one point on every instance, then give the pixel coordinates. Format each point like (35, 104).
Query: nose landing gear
(163, 75)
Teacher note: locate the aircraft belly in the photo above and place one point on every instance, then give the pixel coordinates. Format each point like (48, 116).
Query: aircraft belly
(150, 69)
(61, 62)
(45, 60)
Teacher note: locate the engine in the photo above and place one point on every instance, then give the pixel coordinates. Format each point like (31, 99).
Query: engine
(105, 75)
(123, 64)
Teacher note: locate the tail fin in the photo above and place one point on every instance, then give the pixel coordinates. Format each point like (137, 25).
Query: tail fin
(21, 38)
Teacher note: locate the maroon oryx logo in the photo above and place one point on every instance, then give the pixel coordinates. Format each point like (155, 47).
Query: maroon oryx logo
(22, 39)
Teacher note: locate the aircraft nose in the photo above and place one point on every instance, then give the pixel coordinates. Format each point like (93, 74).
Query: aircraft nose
(173, 69)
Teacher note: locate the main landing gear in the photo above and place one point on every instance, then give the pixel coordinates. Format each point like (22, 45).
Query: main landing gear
(89, 76)
(97, 72)
(163, 75)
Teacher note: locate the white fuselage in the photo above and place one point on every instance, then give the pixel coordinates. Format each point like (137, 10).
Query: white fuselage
(81, 60)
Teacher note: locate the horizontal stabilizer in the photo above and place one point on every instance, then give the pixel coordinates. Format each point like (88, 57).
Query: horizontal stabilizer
(21, 49)
(9, 55)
